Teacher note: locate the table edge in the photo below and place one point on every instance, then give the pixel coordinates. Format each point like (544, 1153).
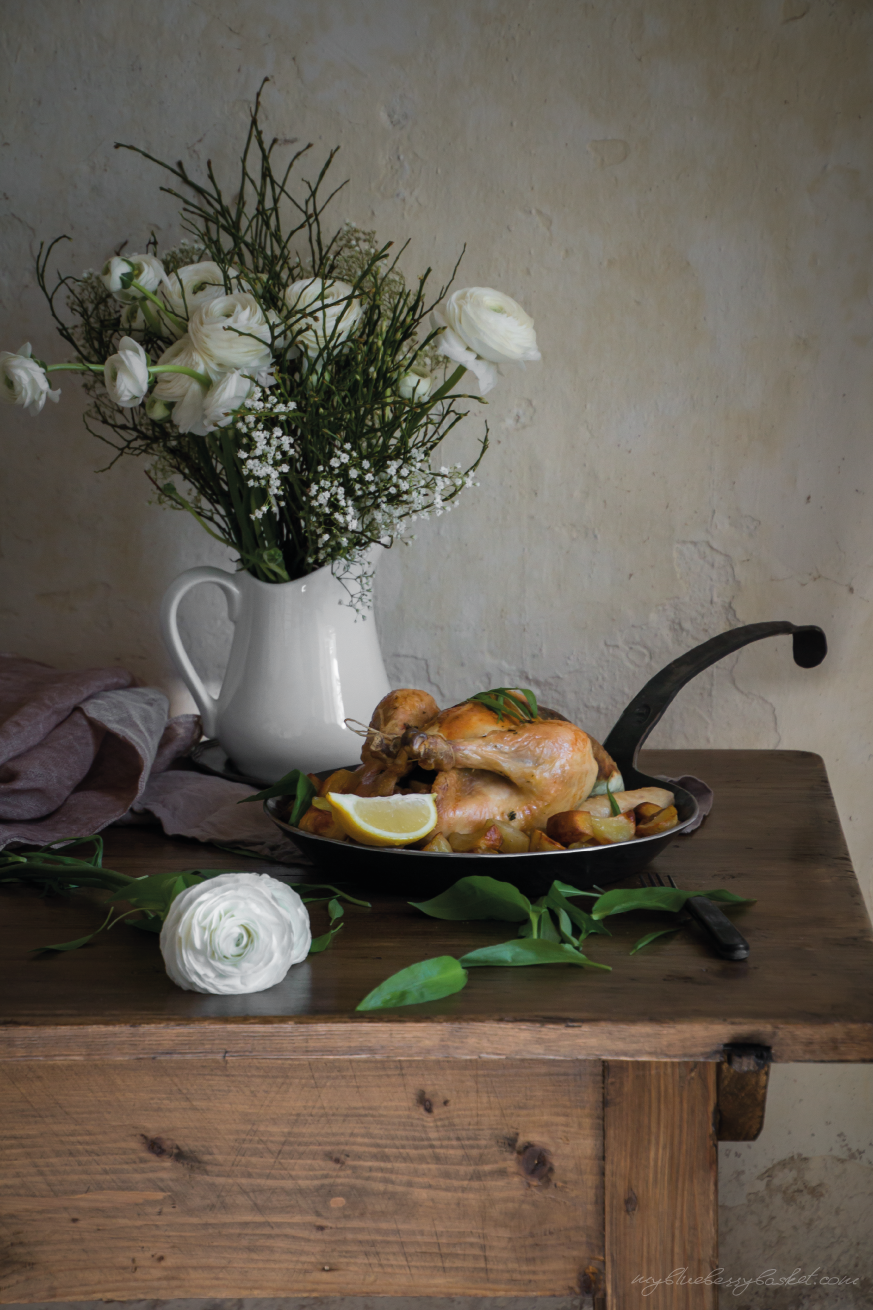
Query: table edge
(317, 1039)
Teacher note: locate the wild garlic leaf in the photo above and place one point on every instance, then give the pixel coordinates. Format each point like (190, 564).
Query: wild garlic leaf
(671, 899)
(321, 943)
(528, 950)
(478, 897)
(583, 921)
(429, 980)
(540, 925)
(651, 936)
(296, 784)
(566, 889)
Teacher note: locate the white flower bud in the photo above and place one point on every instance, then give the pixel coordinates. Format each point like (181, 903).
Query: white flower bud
(234, 934)
(120, 271)
(416, 385)
(158, 410)
(23, 381)
(126, 374)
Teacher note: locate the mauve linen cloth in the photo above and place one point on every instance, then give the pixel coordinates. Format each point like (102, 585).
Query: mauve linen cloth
(79, 751)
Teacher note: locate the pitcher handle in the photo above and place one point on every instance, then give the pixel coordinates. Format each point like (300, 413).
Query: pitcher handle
(206, 704)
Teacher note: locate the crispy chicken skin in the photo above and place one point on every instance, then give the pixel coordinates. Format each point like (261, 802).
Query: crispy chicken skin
(385, 758)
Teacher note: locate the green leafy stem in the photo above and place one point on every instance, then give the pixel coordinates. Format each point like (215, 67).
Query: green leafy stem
(53, 868)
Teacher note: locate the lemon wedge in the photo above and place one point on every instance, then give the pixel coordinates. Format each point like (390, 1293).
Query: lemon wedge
(385, 820)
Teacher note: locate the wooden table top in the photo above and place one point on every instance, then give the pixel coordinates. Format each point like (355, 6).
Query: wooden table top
(806, 989)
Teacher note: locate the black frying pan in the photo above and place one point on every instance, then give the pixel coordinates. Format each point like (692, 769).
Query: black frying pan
(420, 874)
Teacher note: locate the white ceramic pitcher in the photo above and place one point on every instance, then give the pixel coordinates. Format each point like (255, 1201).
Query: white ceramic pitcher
(299, 666)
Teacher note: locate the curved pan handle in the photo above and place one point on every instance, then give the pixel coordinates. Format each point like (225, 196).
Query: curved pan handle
(647, 707)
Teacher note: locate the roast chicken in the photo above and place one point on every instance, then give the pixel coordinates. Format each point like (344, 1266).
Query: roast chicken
(480, 765)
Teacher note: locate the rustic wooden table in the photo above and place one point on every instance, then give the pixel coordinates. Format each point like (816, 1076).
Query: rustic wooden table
(545, 1131)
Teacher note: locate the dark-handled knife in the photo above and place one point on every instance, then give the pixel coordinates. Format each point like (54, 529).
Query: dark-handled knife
(727, 939)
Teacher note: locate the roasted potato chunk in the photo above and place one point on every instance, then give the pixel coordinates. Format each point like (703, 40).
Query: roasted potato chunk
(614, 828)
(662, 821)
(343, 781)
(600, 807)
(321, 823)
(540, 841)
(570, 827)
(646, 811)
(515, 842)
(437, 845)
(486, 840)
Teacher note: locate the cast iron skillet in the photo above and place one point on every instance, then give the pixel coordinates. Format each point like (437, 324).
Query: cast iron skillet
(420, 874)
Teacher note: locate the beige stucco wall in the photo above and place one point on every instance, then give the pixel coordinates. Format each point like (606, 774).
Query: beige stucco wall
(680, 193)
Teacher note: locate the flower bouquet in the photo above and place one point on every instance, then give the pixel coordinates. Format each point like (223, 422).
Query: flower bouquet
(289, 389)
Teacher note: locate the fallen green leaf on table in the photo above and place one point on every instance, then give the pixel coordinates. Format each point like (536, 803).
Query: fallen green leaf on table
(556, 899)
(656, 898)
(478, 897)
(429, 980)
(528, 950)
(567, 890)
(540, 924)
(652, 936)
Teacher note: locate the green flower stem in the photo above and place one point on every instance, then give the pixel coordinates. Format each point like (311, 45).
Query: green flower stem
(202, 378)
(168, 313)
(78, 368)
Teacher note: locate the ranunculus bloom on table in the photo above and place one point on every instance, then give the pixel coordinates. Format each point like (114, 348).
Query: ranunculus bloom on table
(322, 312)
(126, 374)
(237, 933)
(231, 332)
(23, 381)
(484, 328)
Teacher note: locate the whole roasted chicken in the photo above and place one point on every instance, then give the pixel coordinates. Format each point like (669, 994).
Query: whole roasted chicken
(481, 763)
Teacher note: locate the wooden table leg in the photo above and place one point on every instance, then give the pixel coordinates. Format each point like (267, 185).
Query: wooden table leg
(660, 1183)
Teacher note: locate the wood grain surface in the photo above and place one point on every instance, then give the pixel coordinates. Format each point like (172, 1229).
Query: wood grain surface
(661, 1164)
(209, 1178)
(806, 990)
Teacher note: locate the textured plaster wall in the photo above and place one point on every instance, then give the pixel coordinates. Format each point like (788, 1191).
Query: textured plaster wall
(681, 195)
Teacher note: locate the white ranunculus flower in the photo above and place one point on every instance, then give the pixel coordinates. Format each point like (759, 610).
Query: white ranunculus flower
(231, 332)
(484, 328)
(416, 385)
(126, 374)
(145, 269)
(185, 393)
(322, 312)
(23, 381)
(237, 933)
(224, 398)
(174, 386)
(187, 288)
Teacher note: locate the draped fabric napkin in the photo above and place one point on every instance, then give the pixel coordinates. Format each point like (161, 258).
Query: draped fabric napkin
(79, 751)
